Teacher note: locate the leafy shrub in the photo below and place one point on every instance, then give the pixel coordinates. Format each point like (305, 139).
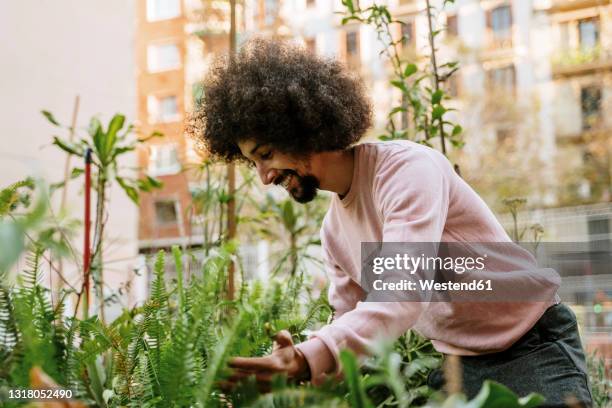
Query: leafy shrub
(171, 351)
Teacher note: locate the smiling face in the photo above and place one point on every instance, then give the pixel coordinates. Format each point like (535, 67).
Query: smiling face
(281, 169)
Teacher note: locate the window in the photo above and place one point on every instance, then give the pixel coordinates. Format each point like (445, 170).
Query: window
(163, 9)
(590, 103)
(407, 33)
(505, 136)
(352, 49)
(588, 31)
(166, 212)
(163, 109)
(599, 234)
(163, 160)
(163, 57)
(452, 28)
(502, 79)
(500, 23)
(352, 43)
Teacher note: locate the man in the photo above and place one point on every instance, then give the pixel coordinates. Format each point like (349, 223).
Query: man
(296, 118)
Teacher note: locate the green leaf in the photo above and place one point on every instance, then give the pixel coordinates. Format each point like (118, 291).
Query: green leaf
(410, 70)
(288, 215)
(114, 126)
(50, 117)
(493, 394)
(98, 136)
(217, 361)
(12, 244)
(153, 135)
(68, 147)
(458, 143)
(457, 130)
(357, 394)
(399, 84)
(131, 192)
(347, 19)
(397, 109)
(76, 172)
(121, 150)
(436, 97)
(437, 112)
(178, 264)
(94, 125)
(349, 5)
(149, 183)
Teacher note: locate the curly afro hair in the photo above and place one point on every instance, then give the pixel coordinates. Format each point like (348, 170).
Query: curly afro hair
(283, 95)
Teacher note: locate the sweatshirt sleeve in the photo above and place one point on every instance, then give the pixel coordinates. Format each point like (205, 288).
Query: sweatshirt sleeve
(412, 194)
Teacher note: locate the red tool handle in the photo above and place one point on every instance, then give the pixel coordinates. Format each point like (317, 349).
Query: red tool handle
(86, 243)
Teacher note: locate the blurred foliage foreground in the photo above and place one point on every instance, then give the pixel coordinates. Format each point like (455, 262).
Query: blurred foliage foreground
(172, 350)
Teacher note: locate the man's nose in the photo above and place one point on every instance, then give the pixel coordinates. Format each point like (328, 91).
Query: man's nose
(265, 174)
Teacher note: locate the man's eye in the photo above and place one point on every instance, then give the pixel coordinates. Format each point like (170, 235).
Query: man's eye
(266, 156)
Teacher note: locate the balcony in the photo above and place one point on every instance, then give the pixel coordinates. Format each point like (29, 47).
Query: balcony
(581, 61)
(569, 5)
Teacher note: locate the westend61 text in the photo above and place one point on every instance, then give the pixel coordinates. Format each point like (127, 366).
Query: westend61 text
(430, 284)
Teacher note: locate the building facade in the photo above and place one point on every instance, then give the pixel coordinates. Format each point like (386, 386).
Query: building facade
(59, 51)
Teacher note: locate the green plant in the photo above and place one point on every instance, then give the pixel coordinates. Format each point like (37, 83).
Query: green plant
(423, 103)
(283, 221)
(104, 147)
(171, 351)
(25, 223)
(601, 385)
(514, 206)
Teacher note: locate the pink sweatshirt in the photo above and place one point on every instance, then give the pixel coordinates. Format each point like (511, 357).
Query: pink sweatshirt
(406, 192)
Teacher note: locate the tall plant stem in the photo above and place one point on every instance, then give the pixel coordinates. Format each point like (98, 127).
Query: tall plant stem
(294, 254)
(60, 264)
(231, 169)
(98, 240)
(434, 65)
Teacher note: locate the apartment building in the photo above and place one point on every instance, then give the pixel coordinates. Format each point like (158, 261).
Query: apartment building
(161, 59)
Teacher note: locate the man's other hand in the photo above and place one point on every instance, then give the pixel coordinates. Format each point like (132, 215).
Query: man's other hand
(285, 359)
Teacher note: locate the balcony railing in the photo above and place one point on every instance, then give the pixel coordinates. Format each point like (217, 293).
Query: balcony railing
(580, 60)
(567, 5)
(495, 41)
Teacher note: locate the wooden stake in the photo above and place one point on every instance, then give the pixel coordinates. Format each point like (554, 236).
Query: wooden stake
(231, 169)
(453, 374)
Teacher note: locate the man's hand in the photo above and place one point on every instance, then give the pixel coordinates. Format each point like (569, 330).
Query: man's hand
(285, 359)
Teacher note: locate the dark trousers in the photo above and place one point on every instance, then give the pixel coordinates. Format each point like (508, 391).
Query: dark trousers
(548, 359)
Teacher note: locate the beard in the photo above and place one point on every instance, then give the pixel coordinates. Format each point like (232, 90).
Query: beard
(306, 189)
